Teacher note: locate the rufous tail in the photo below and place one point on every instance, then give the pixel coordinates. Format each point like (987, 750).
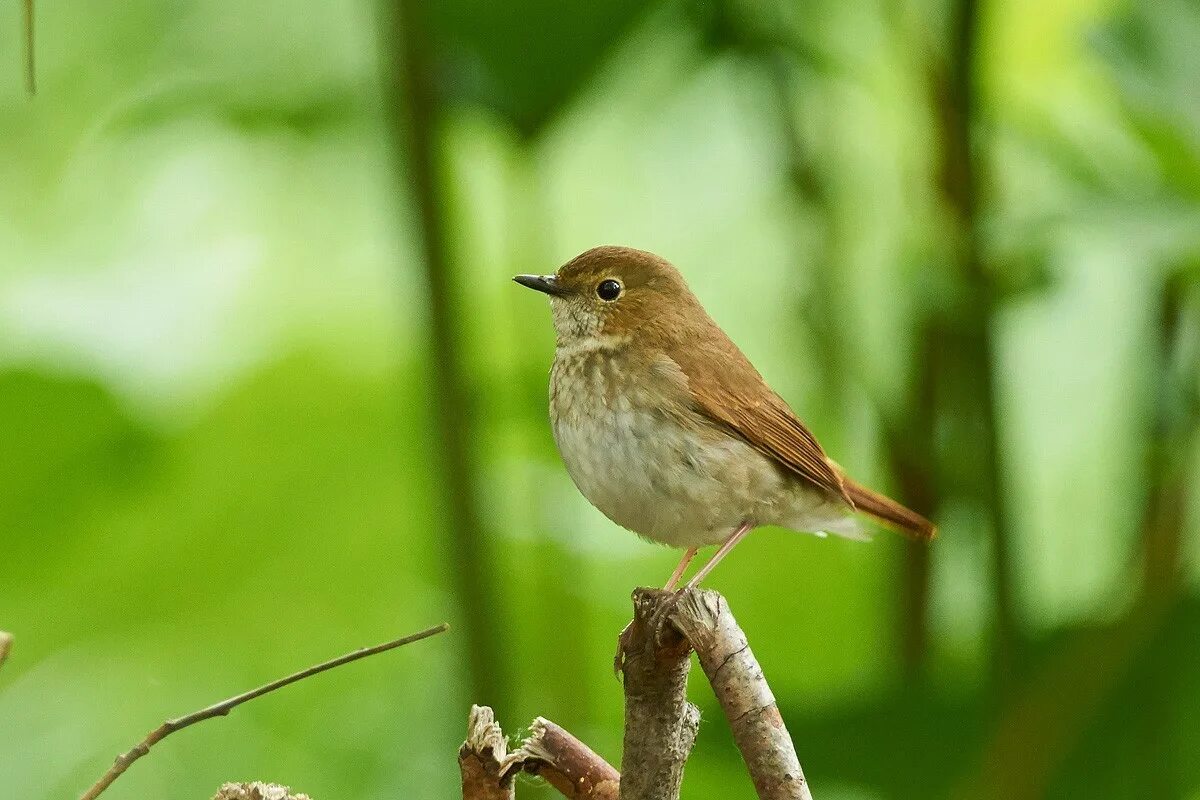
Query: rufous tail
(889, 512)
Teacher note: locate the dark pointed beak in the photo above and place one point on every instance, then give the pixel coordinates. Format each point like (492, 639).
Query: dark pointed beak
(547, 284)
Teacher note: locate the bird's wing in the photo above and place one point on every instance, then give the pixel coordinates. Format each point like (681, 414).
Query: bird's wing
(727, 388)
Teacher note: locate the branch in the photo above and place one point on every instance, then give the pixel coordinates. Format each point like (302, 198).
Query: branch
(483, 758)
(257, 791)
(567, 764)
(660, 724)
(225, 706)
(6, 640)
(703, 617)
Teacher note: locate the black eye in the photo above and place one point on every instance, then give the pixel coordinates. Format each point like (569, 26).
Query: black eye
(608, 290)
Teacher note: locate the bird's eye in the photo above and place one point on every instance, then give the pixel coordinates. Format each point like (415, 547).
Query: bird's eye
(608, 290)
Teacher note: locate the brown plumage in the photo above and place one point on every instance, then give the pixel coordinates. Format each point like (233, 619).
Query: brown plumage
(727, 388)
(886, 510)
(667, 427)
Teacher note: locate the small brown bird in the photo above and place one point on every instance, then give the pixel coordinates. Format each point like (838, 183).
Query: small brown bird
(667, 428)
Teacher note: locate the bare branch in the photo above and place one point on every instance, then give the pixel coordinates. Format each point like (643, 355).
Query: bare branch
(257, 791)
(6, 640)
(703, 617)
(483, 759)
(225, 706)
(567, 764)
(549, 751)
(660, 724)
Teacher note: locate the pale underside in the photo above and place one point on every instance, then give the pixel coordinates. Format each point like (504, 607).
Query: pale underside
(655, 466)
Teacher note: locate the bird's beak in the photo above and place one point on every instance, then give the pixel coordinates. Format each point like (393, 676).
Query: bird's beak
(547, 284)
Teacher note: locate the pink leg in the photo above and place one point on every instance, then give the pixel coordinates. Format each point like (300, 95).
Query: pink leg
(678, 573)
(729, 544)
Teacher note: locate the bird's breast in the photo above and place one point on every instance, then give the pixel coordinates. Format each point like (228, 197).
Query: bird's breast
(637, 451)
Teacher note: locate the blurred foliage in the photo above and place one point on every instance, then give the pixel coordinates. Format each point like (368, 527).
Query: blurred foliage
(216, 433)
(525, 63)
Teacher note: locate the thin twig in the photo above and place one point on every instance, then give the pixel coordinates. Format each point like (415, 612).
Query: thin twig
(6, 640)
(30, 73)
(155, 736)
(704, 619)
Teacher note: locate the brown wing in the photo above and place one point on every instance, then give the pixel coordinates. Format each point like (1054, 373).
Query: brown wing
(728, 389)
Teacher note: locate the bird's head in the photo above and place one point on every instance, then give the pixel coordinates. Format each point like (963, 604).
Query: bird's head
(615, 291)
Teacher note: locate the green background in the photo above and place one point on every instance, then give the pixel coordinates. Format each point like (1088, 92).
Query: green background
(254, 412)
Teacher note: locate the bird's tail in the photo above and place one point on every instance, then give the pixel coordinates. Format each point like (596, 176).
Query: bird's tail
(889, 512)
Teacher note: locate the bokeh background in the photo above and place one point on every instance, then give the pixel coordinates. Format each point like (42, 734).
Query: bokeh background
(267, 393)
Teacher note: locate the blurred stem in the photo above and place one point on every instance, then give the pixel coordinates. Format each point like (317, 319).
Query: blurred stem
(1046, 718)
(30, 62)
(956, 91)
(912, 459)
(559, 570)
(415, 112)
(910, 453)
(1176, 422)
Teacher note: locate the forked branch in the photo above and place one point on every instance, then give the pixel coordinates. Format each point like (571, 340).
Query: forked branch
(660, 725)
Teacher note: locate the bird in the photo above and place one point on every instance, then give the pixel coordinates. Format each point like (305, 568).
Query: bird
(666, 427)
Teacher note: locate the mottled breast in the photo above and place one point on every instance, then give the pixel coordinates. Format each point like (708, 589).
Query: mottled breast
(638, 451)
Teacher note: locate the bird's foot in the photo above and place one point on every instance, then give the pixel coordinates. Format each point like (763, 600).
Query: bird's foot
(660, 619)
(657, 632)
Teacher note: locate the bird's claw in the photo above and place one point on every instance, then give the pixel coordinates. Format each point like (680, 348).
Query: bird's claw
(657, 626)
(659, 621)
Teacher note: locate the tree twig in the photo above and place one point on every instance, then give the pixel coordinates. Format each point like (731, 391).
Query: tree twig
(483, 759)
(257, 790)
(6, 640)
(222, 708)
(567, 764)
(660, 724)
(704, 619)
(551, 752)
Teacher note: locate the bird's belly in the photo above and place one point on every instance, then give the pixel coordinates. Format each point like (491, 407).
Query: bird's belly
(649, 473)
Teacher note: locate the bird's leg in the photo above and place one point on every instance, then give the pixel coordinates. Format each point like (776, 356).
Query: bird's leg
(683, 564)
(623, 636)
(728, 545)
